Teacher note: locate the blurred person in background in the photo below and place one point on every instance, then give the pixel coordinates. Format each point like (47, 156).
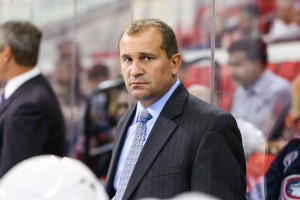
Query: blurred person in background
(260, 95)
(65, 79)
(170, 142)
(124, 102)
(283, 177)
(96, 126)
(202, 92)
(66, 75)
(286, 24)
(100, 117)
(247, 26)
(31, 122)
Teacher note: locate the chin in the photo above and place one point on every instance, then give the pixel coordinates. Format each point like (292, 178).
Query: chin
(137, 96)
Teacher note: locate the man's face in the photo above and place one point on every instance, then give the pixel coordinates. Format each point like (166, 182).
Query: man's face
(147, 71)
(242, 70)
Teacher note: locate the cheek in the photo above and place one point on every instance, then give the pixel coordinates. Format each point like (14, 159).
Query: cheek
(125, 71)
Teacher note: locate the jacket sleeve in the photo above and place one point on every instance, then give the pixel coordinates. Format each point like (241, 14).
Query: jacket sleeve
(24, 135)
(220, 168)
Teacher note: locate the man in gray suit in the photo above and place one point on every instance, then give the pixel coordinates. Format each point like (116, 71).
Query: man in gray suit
(31, 122)
(188, 144)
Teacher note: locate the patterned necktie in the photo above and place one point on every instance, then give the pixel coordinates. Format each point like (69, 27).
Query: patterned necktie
(134, 152)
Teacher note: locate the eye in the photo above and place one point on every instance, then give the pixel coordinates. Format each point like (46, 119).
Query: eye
(127, 59)
(147, 58)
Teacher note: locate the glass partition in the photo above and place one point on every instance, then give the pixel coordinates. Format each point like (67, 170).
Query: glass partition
(255, 47)
(79, 51)
(241, 55)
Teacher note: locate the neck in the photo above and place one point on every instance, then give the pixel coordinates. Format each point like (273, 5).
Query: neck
(17, 70)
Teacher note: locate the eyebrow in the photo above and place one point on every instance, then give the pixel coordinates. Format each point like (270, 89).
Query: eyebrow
(125, 56)
(140, 54)
(147, 54)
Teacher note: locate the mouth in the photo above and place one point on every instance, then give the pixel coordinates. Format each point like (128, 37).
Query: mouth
(137, 84)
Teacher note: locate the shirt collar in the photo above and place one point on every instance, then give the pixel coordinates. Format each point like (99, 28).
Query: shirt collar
(259, 85)
(13, 84)
(155, 108)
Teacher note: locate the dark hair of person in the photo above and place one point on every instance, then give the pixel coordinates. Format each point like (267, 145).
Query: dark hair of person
(255, 49)
(24, 40)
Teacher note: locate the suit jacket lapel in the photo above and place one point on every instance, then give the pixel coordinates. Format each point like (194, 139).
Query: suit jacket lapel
(160, 133)
(118, 146)
(5, 105)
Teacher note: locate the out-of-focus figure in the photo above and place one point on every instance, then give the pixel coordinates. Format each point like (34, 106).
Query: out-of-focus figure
(247, 26)
(65, 79)
(124, 102)
(51, 177)
(202, 92)
(260, 95)
(283, 176)
(31, 121)
(66, 75)
(286, 24)
(100, 118)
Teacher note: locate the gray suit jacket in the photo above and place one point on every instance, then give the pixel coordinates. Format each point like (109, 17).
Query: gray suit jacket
(193, 146)
(31, 123)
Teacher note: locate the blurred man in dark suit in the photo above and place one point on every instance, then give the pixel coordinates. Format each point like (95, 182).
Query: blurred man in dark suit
(170, 142)
(31, 122)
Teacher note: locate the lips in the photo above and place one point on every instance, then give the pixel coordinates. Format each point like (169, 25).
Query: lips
(136, 83)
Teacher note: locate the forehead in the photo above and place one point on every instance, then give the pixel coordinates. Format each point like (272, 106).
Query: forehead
(240, 55)
(149, 38)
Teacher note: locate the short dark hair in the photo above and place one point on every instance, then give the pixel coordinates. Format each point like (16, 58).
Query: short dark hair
(250, 9)
(24, 40)
(255, 49)
(98, 70)
(169, 40)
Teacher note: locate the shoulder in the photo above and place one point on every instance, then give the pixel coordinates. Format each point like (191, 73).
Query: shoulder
(207, 112)
(294, 144)
(278, 82)
(204, 107)
(38, 93)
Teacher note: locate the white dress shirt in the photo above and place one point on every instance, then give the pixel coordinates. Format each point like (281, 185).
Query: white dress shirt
(154, 110)
(13, 84)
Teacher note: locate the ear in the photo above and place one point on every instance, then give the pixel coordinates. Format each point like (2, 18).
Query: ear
(176, 61)
(6, 54)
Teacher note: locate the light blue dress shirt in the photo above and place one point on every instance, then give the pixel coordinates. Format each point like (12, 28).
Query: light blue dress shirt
(154, 110)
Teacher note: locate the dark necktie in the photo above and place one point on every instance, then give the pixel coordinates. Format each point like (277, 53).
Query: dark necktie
(134, 152)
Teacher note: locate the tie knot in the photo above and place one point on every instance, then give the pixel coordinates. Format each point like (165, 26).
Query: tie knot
(144, 116)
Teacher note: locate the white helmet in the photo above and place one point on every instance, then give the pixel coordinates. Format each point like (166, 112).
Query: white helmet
(253, 138)
(52, 178)
(191, 195)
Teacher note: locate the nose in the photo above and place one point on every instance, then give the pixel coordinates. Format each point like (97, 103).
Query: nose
(136, 69)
